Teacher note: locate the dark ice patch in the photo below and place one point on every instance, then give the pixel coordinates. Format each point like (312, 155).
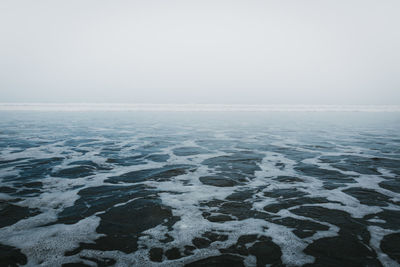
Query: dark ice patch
(189, 151)
(265, 251)
(241, 195)
(29, 184)
(199, 242)
(245, 239)
(390, 217)
(289, 203)
(339, 250)
(225, 260)
(11, 162)
(74, 172)
(351, 244)
(100, 261)
(294, 154)
(302, 228)
(220, 218)
(10, 213)
(336, 217)
(217, 181)
(288, 179)
(244, 162)
(36, 169)
(207, 238)
(320, 146)
(75, 264)
(103, 262)
(363, 165)
(100, 198)
(240, 210)
(213, 237)
(328, 176)
(188, 250)
(157, 174)
(27, 192)
(126, 161)
(11, 256)
(284, 193)
(7, 189)
(280, 165)
(368, 196)
(81, 168)
(158, 157)
(90, 163)
(173, 253)
(390, 164)
(390, 245)
(156, 254)
(392, 185)
(123, 225)
(330, 159)
(21, 144)
(79, 141)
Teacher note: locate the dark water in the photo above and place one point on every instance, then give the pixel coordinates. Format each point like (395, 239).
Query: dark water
(200, 189)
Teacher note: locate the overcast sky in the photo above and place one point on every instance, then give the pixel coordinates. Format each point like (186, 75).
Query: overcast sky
(200, 51)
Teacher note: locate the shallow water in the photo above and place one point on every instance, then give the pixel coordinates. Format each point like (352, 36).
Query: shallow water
(200, 188)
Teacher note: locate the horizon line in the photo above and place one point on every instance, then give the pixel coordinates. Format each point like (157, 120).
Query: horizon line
(7, 106)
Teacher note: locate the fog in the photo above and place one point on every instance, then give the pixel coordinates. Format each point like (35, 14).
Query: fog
(244, 52)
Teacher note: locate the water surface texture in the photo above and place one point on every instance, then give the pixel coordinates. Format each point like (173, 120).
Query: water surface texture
(199, 188)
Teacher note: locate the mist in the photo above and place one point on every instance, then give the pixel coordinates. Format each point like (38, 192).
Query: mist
(228, 52)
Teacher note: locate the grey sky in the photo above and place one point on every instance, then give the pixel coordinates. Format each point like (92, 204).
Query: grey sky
(208, 51)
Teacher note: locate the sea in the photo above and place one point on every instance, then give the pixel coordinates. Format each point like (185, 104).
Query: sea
(199, 185)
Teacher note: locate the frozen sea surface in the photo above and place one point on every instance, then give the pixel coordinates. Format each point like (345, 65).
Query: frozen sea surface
(146, 188)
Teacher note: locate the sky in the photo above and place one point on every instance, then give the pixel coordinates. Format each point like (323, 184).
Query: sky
(208, 51)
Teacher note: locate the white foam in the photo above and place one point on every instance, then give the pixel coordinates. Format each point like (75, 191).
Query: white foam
(46, 245)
